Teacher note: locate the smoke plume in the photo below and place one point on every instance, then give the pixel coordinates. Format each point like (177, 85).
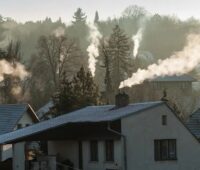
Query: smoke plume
(18, 70)
(179, 63)
(58, 32)
(92, 49)
(137, 38)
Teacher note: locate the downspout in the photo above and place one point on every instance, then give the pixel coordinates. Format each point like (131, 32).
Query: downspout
(124, 143)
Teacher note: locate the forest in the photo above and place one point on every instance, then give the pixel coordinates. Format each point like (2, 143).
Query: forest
(56, 58)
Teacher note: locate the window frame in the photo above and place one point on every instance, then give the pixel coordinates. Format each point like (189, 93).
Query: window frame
(164, 120)
(159, 151)
(109, 150)
(94, 151)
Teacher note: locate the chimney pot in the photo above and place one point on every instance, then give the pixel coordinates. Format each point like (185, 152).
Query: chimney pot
(121, 100)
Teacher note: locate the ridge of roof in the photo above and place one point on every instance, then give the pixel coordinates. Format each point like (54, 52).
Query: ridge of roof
(90, 114)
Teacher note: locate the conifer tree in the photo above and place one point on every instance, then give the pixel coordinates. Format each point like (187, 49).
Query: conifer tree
(81, 91)
(119, 51)
(96, 18)
(79, 16)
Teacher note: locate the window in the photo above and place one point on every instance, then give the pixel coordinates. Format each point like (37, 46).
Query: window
(93, 150)
(164, 120)
(109, 149)
(19, 126)
(165, 149)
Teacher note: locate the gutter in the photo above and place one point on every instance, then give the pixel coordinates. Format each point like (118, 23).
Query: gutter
(124, 143)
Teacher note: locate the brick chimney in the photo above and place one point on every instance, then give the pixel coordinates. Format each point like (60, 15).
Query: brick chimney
(121, 100)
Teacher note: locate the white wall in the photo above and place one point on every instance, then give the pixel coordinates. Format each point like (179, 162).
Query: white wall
(141, 131)
(64, 150)
(102, 164)
(6, 152)
(69, 149)
(25, 119)
(18, 150)
(18, 156)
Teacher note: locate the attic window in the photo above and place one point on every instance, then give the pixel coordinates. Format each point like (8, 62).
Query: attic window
(19, 126)
(164, 120)
(27, 124)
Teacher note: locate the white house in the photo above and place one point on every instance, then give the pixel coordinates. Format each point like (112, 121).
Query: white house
(13, 117)
(139, 136)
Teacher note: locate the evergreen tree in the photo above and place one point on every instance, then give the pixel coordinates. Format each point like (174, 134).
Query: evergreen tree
(107, 66)
(79, 16)
(96, 18)
(81, 91)
(119, 51)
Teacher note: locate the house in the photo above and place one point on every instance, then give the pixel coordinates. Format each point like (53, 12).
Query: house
(13, 117)
(116, 137)
(153, 89)
(41, 113)
(179, 90)
(193, 123)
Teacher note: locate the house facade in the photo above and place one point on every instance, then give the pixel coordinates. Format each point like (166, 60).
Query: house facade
(13, 117)
(141, 136)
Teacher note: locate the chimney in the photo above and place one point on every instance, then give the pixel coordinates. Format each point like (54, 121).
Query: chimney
(121, 100)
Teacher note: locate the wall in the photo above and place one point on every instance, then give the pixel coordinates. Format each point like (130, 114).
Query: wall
(18, 149)
(64, 150)
(102, 164)
(19, 156)
(141, 131)
(69, 149)
(6, 152)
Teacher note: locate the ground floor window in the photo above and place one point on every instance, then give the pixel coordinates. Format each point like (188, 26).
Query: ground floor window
(94, 150)
(109, 150)
(165, 149)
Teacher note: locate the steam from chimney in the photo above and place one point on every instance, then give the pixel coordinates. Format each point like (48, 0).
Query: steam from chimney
(18, 70)
(92, 49)
(58, 32)
(179, 63)
(137, 38)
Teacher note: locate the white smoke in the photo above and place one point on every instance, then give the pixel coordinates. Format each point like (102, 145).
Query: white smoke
(7, 69)
(58, 32)
(18, 70)
(180, 63)
(92, 49)
(137, 38)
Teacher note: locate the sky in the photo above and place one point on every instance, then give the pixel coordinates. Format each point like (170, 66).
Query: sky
(26, 10)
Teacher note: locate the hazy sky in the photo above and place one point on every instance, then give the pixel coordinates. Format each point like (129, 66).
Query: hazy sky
(24, 10)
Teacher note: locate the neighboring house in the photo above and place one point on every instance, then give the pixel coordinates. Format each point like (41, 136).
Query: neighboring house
(13, 117)
(193, 123)
(153, 89)
(42, 112)
(137, 136)
(179, 90)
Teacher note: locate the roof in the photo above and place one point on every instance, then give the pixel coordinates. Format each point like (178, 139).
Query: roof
(10, 114)
(174, 78)
(90, 114)
(43, 110)
(193, 123)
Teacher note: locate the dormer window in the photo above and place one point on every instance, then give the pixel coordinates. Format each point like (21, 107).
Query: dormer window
(164, 120)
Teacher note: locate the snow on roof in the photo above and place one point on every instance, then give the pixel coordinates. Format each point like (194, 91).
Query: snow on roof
(87, 114)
